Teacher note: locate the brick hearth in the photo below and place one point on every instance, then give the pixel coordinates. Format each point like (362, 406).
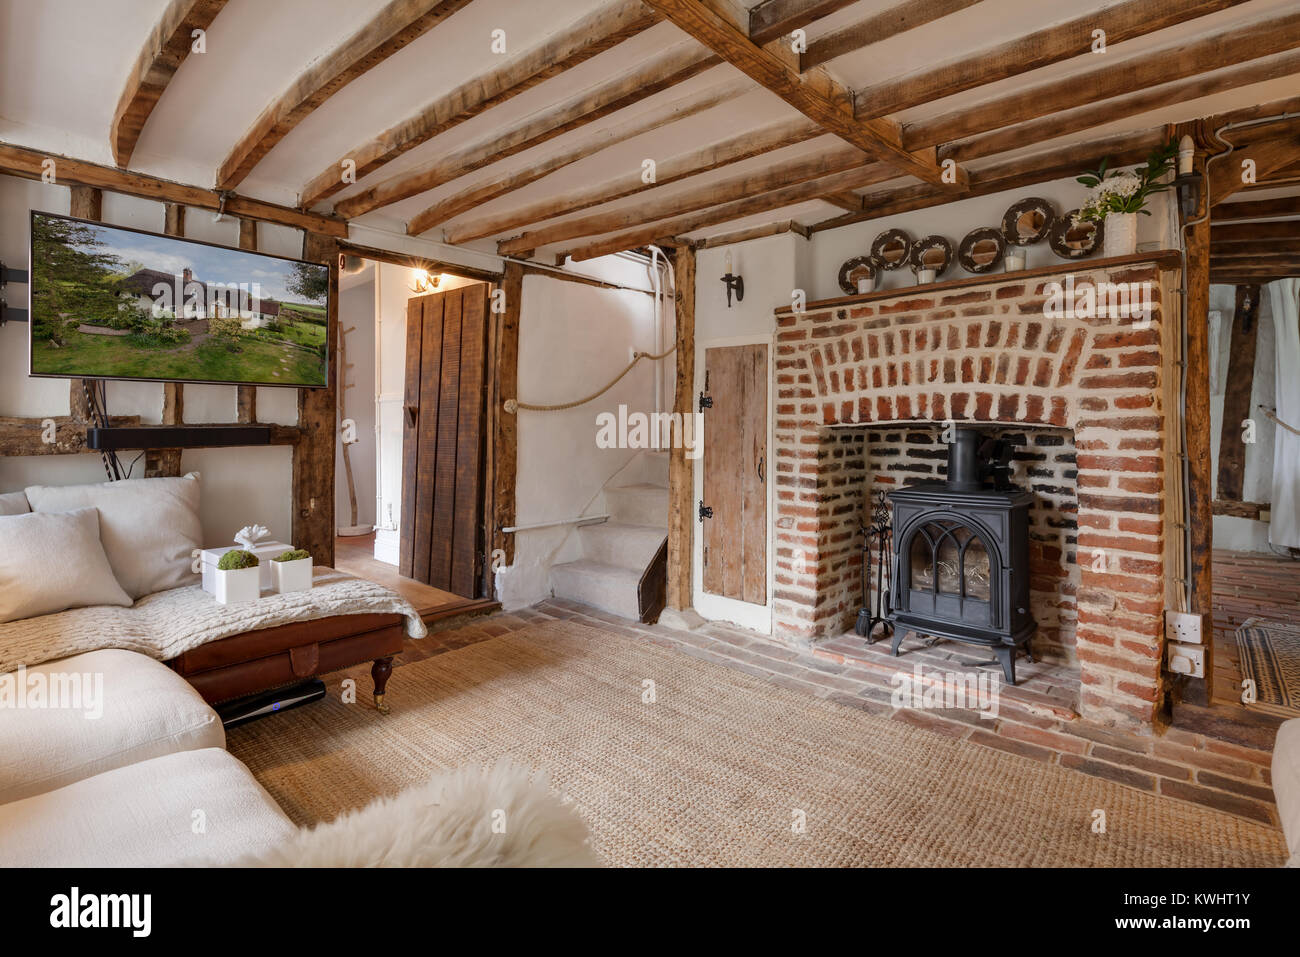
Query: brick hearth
(985, 351)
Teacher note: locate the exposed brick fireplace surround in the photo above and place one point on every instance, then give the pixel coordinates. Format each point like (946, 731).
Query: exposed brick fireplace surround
(863, 387)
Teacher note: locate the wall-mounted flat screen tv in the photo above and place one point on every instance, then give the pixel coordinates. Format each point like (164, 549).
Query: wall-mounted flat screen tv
(108, 302)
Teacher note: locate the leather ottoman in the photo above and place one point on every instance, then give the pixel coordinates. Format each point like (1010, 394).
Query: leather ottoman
(288, 654)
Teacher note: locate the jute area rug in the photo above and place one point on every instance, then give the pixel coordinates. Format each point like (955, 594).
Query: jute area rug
(721, 768)
(1270, 655)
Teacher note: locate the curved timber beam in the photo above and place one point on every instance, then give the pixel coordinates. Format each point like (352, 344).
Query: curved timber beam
(169, 43)
(395, 26)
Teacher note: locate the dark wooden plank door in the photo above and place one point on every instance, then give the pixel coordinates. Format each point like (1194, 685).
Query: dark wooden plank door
(443, 439)
(735, 473)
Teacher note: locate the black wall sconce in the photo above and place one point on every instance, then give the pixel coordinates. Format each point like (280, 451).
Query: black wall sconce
(733, 283)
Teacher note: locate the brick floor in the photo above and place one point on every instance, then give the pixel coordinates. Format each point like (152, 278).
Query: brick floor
(1038, 718)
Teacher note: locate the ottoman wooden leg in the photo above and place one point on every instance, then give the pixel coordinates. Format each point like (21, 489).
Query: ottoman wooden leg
(380, 671)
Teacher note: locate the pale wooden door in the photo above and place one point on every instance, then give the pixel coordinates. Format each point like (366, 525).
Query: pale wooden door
(735, 473)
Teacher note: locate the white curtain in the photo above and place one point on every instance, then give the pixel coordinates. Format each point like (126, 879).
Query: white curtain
(1284, 528)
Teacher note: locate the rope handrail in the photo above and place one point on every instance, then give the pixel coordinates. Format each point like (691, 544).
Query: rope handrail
(636, 357)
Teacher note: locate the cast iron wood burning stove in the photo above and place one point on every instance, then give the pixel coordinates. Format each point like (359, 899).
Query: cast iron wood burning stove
(962, 554)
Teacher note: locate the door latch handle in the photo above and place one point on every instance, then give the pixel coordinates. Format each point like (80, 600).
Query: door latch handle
(761, 461)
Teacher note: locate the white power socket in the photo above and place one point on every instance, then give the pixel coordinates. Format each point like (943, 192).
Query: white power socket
(1183, 626)
(1186, 659)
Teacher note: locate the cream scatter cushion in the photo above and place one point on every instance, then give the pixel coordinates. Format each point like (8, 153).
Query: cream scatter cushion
(149, 527)
(14, 503)
(142, 815)
(51, 562)
(115, 708)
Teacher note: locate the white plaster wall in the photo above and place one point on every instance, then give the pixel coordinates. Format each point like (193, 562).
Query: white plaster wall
(357, 312)
(240, 486)
(573, 339)
(1230, 532)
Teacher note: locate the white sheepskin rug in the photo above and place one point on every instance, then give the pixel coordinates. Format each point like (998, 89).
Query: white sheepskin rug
(463, 818)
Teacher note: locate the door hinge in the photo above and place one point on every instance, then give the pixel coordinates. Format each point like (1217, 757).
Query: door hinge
(706, 511)
(706, 401)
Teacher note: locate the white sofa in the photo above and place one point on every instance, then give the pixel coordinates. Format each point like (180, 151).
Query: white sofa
(147, 783)
(1286, 784)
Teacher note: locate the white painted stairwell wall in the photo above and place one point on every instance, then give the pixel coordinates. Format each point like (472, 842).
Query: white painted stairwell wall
(573, 338)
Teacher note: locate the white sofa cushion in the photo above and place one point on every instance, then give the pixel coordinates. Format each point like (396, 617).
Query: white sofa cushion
(146, 815)
(1286, 784)
(146, 710)
(149, 527)
(14, 503)
(49, 563)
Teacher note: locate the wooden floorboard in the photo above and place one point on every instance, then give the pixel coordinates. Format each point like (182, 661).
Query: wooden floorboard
(356, 556)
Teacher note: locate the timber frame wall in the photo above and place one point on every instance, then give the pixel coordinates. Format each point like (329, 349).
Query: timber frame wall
(311, 439)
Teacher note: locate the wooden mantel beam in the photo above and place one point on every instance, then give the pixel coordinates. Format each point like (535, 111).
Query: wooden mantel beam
(722, 27)
(392, 28)
(576, 43)
(169, 43)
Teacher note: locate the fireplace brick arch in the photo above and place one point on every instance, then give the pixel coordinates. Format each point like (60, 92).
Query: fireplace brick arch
(998, 351)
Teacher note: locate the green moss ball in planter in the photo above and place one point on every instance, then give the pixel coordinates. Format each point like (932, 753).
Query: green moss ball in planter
(238, 577)
(291, 571)
(237, 558)
(292, 555)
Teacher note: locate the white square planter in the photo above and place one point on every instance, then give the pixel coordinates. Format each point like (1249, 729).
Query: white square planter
(238, 585)
(291, 576)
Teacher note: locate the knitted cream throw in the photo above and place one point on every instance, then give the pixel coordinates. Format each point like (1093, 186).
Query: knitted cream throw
(168, 623)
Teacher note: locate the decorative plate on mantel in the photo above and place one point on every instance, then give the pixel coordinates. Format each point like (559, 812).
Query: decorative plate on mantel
(892, 249)
(932, 252)
(981, 250)
(859, 267)
(1071, 239)
(1028, 221)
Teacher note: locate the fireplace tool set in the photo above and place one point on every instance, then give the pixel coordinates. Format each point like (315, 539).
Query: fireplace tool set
(875, 542)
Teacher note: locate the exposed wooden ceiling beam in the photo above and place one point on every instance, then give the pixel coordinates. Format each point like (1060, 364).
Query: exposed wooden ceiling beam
(29, 164)
(1253, 232)
(502, 183)
(653, 205)
(728, 212)
(772, 19)
(1062, 41)
(1217, 51)
(716, 24)
(1267, 155)
(667, 69)
(576, 43)
(170, 42)
(1262, 247)
(744, 146)
(1144, 99)
(905, 16)
(754, 232)
(1010, 174)
(395, 26)
(848, 201)
(1259, 209)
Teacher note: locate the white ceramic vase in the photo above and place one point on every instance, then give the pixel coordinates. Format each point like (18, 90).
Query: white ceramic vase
(1121, 234)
